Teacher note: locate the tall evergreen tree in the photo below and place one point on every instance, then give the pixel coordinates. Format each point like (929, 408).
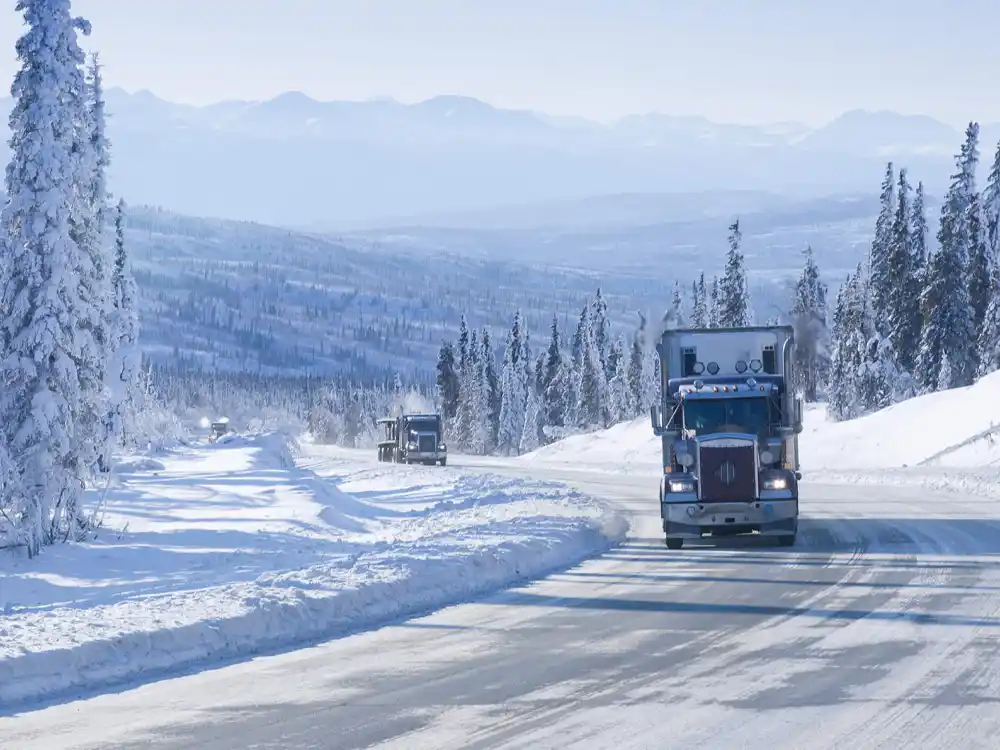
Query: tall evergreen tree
(44, 279)
(619, 406)
(95, 372)
(699, 303)
(600, 328)
(491, 388)
(734, 294)
(901, 284)
(127, 397)
(849, 345)
(470, 411)
(636, 366)
(552, 382)
(448, 383)
(513, 389)
(948, 339)
(980, 270)
(463, 344)
(715, 305)
(918, 237)
(878, 258)
(991, 209)
(809, 318)
(593, 384)
(677, 308)
(989, 333)
(578, 350)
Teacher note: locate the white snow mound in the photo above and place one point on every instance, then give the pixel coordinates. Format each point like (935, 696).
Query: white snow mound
(959, 428)
(226, 550)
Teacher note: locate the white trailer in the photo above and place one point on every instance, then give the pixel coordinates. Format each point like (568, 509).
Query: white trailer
(729, 422)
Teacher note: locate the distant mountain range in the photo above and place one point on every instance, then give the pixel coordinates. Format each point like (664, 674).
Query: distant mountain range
(295, 161)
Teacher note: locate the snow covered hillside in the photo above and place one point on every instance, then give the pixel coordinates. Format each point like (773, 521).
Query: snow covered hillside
(957, 429)
(215, 552)
(247, 297)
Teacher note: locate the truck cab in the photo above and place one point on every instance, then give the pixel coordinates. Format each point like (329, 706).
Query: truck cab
(413, 438)
(728, 423)
(218, 428)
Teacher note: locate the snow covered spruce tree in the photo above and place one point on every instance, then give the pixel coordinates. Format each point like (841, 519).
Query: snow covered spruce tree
(554, 382)
(491, 388)
(809, 317)
(947, 355)
(980, 270)
(989, 333)
(677, 306)
(878, 255)
(53, 359)
(714, 304)
(513, 389)
(593, 412)
(448, 383)
(636, 368)
(848, 348)
(600, 332)
(127, 397)
(699, 303)
(734, 294)
(902, 280)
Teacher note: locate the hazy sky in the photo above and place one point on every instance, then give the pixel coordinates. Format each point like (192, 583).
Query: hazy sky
(731, 60)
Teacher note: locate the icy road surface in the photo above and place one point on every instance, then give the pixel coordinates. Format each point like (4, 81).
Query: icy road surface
(880, 629)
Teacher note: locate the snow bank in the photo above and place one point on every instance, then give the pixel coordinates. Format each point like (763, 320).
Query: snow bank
(226, 550)
(626, 447)
(960, 427)
(956, 429)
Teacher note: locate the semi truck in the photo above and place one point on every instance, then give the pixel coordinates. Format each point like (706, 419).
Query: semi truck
(728, 421)
(413, 438)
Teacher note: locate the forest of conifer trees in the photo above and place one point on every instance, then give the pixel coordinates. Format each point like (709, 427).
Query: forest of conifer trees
(919, 318)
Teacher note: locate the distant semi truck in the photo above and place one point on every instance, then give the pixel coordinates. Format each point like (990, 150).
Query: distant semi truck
(218, 428)
(729, 422)
(413, 438)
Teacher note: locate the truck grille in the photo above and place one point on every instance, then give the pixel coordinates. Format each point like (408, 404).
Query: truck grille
(426, 443)
(727, 472)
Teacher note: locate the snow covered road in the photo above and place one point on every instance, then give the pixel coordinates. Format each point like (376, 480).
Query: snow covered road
(880, 629)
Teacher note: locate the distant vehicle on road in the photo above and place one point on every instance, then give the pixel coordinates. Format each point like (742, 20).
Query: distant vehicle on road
(729, 422)
(218, 428)
(413, 438)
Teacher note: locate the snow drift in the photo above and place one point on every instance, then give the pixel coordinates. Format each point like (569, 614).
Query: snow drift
(958, 429)
(223, 551)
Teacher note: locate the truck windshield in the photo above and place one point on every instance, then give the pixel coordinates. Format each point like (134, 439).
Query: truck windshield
(705, 416)
(422, 424)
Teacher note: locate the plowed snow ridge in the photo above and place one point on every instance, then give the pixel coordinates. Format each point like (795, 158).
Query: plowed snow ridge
(230, 549)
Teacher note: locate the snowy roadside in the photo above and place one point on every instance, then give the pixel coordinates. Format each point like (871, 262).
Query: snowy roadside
(974, 482)
(230, 550)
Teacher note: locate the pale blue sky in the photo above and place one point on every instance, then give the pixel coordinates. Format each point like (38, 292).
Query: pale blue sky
(731, 60)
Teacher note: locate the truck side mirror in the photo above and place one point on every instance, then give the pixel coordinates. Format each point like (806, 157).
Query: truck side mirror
(656, 418)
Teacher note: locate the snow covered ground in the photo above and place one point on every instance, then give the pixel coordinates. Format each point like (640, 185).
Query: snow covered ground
(947, 440)
(219, 552)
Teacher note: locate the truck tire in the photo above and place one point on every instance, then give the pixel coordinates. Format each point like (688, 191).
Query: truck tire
(788, 540)
(675, 543)
(444, 461)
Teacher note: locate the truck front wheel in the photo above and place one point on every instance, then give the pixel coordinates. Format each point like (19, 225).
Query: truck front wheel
(674, 543)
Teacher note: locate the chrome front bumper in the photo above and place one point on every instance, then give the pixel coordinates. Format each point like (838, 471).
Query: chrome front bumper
(772, 516)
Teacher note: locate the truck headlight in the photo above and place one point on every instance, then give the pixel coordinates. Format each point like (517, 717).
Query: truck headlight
(776, 483)
(443, 447)
(681, 485)
(411, 445)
